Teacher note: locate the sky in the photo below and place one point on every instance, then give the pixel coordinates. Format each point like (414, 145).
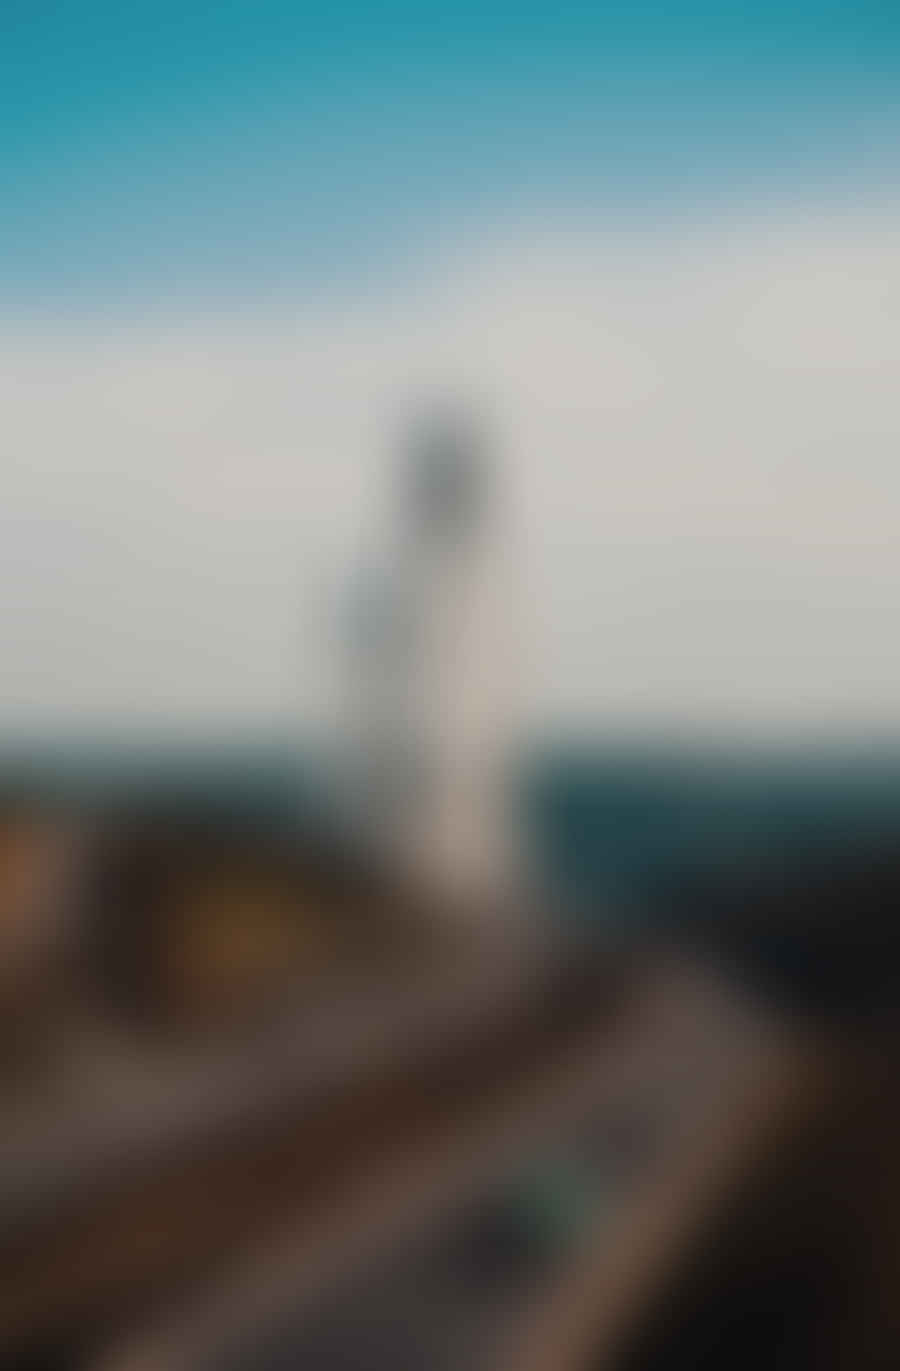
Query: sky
(656, 243)
(157, 153)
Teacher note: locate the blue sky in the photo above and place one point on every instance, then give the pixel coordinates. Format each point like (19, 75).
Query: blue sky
(179, 151)
(658, 240)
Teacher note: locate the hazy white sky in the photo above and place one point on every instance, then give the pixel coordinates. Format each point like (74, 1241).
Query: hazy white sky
(698, 423)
